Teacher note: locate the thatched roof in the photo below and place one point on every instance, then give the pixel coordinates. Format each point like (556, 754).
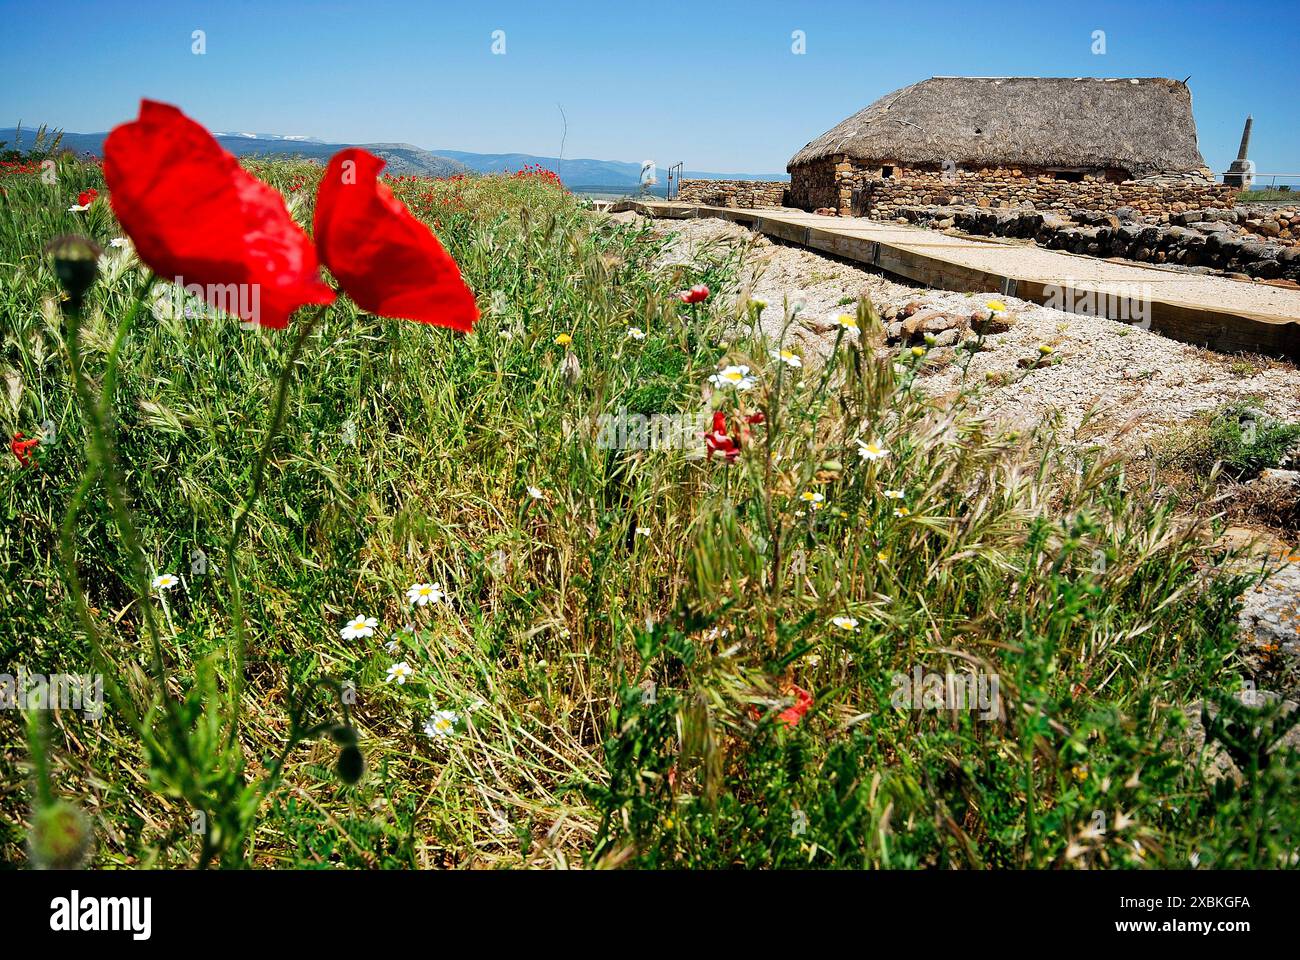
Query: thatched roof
(1144, 126)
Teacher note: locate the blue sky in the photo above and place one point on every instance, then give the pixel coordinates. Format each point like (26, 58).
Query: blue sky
(714, 84)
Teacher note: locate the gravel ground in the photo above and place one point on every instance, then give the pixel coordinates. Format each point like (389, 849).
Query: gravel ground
(1140, 383)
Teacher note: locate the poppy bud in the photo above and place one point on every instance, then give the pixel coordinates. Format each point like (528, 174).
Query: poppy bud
(76, 264)
(60, 837)
(351, 764)
(344, 735)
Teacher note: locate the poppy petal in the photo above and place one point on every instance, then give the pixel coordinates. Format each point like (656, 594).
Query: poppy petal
(385, 259)
(196, 216)
(803, 703)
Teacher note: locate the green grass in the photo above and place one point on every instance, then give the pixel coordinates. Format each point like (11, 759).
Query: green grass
(616, 651)
(1236, 436)
(1267, 196)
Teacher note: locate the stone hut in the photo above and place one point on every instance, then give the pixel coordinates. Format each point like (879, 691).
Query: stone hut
(1050, 143)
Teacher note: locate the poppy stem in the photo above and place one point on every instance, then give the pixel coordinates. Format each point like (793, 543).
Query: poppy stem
(103, 460)
(241, 520)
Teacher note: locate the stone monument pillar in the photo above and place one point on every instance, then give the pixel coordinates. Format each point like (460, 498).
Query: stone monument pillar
(1241, 174)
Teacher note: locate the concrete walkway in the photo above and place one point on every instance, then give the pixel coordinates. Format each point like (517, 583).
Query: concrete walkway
(1226, 315)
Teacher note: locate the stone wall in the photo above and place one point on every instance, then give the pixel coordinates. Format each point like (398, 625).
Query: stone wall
(824, 183)
(880, 192)
(1202, 241)
(746, 194)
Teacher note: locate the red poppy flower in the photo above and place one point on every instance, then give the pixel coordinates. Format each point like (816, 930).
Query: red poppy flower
(696, 294)
(22, 449)
(86, 197)
(803, 701)
(195, 215)
(390, 263)
(717, 441)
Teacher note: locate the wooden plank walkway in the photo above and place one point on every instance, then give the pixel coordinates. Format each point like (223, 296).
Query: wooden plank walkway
(1226, 315)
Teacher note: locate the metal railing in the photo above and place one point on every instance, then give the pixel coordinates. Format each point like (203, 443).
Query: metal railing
(674, 180)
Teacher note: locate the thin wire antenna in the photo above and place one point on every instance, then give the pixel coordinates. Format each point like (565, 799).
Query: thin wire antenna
(564, 135)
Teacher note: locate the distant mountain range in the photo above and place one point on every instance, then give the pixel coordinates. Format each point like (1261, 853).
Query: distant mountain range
(405, 159)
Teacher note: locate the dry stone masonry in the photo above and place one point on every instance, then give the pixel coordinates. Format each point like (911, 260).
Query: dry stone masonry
(1203, 241)
(871, 195)
(743, 194)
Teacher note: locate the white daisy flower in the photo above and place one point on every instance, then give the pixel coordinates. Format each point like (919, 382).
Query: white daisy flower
(902, 512)
(815, 500)
(846, 321)
(441, 724)
(643, 531)
(399, 672)
(423, 594)
(845, 623)
(165, 581)
(358, 627)
(872, 451)
(635, 333)
(392, 646)
(787, 357)
(895, 494)
(79, 208)
(735, 377)
(122, 243)
(536, 493)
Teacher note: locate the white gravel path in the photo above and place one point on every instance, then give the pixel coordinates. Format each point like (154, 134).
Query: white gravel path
(1140, 382)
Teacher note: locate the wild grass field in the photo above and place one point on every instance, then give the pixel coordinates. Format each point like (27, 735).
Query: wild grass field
(635, 657)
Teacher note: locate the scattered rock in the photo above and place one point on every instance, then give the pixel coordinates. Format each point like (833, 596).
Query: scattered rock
(988, 322)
